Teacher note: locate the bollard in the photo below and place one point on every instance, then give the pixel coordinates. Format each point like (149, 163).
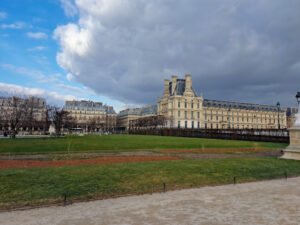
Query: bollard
(164, 187)
(65, 199)
(285, 174)
(234, 180)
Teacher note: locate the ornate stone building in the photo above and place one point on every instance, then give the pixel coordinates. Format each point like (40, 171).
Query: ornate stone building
(184, 109)
(91, 116)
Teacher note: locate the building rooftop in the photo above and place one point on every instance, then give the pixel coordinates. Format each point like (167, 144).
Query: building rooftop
(238, 105)
(149, 109)
(89, 106)
(179, 88)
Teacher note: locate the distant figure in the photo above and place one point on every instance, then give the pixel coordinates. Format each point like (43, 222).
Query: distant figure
(5, 134)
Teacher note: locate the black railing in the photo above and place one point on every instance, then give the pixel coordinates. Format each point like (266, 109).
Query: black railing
(265, 135)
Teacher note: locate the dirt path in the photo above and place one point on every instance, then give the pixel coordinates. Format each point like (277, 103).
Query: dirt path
(268, 202)
(9, 164)
(147, 153)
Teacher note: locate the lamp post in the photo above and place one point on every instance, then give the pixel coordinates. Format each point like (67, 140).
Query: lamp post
(298, 97)
(278, 107)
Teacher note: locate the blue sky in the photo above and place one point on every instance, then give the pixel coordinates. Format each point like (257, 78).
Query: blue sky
(28, 51)
(120, 51)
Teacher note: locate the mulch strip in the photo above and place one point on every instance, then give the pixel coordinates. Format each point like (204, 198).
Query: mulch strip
(219, 150)
(10, 164)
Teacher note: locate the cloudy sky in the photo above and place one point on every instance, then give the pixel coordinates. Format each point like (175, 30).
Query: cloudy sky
(120, 51)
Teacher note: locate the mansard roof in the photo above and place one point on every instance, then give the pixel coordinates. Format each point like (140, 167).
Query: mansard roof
(238, 105)
(149, 109)
(89, 106)
(179, 88)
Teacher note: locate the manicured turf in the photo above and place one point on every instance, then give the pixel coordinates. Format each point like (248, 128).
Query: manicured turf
(20, 187)
(119, 143)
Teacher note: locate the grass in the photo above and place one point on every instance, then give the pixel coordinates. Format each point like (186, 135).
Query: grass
(21, 187)
(119, 143)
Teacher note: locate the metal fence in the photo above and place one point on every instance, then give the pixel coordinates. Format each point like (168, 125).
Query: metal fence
(265, 135)
(64, 196)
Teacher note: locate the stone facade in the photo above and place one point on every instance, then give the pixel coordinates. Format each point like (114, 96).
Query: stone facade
(290, 116)
(91, 116)
(127, 115)
(184, 109)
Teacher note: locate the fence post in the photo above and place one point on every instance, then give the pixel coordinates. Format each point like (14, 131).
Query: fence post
(164, 187)
(234, 180)
(65, 199)
(285, 174)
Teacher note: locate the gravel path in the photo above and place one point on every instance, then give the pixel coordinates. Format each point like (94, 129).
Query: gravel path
(268, 202)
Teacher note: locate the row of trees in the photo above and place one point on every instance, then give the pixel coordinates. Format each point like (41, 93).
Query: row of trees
(148, 122)
(25, 114)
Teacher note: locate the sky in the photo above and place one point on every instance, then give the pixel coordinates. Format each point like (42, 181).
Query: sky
(120, 51)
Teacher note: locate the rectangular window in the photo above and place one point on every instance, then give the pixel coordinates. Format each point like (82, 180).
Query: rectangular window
(192, 115)
(185, 114)
(205, 114)
(192, 104)
(211, 115)
(198, 104)
(185, 124)
(198, 115)
(198, 124)
(192, 124)
(178, 104)
(211, 126)
(185, 104)
(217, 117)
(178, 113)
(217, 126)
(178, 124)
(205, 125)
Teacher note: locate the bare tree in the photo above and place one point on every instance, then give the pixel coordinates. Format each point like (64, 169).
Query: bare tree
(16, 114)
(60, 118)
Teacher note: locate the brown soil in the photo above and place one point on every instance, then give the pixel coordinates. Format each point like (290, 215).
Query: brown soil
(10, 164)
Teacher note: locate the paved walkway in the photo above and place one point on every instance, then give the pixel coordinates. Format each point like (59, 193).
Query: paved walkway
(269, 202)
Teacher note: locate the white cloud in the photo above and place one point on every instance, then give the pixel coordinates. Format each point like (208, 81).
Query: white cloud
(34, 74)
(37, 48)
(124, 49)
(18, 25)
(69, 77)
(51, 97)
(3, 15)
(37, 35)
(69, 7)
(70, 88)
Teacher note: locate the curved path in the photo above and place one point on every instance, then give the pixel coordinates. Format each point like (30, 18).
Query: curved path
(268, 202)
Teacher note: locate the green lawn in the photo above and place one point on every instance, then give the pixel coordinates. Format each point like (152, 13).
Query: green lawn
(20, 187)
(119, 143)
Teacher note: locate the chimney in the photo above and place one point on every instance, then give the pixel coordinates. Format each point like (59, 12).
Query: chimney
(174, 82)
(166, 89)
(188, 81)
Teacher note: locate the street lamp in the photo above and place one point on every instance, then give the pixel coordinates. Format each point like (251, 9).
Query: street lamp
(278, 107)
(298, 97)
